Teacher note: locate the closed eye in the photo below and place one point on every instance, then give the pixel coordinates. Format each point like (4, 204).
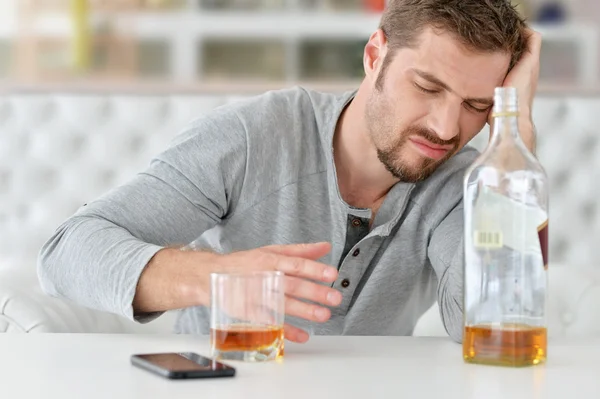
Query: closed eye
(476, 109)
(424, 90)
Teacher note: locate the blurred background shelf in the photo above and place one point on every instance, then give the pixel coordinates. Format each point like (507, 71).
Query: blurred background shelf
(163, 87)
(200, 23)
(246, 41)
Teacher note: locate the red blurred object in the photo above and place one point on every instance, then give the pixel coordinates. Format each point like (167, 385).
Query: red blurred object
(374, 5)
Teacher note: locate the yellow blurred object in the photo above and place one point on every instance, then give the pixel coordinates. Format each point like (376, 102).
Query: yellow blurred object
(523, 7)
(109, 53)
(158, 3)
(81, 45)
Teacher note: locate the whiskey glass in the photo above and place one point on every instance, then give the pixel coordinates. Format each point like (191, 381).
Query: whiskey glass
(247, 316)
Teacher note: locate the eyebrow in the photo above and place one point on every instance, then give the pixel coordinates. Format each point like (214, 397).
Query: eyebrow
(432, 79)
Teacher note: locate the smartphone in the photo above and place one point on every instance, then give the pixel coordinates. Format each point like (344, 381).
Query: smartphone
(182, 365)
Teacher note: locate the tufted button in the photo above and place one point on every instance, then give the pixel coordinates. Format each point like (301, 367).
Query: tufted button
(588, 146)
(5, 112)
(567, 318)
(107, 178)
(588, 210)
(5, 179)
(76, 143)
(137, 143)
(50, 111)
(21, 212)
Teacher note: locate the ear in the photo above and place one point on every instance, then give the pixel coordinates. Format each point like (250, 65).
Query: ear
(375, 51)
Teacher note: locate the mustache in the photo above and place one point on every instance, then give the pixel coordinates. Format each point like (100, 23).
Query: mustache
(429, 135)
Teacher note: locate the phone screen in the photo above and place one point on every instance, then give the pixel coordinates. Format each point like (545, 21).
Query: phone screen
(181, 362)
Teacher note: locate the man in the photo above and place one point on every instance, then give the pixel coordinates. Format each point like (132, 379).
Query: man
(372, 178)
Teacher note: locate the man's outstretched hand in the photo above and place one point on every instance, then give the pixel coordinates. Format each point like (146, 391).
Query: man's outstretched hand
(176, 279)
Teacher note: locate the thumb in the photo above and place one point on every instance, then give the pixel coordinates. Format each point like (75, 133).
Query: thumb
(307, 251)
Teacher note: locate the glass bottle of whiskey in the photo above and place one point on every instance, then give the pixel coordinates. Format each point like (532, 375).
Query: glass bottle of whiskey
(506, 247)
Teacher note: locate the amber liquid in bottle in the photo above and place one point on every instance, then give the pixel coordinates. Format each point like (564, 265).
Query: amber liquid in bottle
(515, 345)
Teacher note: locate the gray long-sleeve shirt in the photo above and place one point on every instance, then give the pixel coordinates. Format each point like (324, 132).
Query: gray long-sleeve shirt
(261, 172)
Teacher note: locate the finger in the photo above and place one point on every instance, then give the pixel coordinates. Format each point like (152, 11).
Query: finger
(307, 251)
(306, 269)
(534, 42)
(307, 311)
(304, 289)
(295, 334)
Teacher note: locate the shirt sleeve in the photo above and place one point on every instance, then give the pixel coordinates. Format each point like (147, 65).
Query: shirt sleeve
(446, 255)
(95, 258)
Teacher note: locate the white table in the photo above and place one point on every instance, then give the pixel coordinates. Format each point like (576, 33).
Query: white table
(97, 366)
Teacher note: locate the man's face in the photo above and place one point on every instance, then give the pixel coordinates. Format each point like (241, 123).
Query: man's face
(429, 102)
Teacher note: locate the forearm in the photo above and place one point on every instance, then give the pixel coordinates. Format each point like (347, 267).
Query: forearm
(528, 134)
(174, 279)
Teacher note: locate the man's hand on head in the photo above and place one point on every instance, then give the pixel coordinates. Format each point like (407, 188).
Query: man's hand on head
(524, 76)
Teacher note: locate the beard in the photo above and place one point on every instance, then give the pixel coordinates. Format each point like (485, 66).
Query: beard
(392, 157)
(393, 149)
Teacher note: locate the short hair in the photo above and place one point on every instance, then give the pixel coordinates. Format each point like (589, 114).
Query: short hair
(481, 25)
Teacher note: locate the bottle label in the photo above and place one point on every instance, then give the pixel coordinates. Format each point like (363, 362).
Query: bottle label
(488, 239)
(543, 236)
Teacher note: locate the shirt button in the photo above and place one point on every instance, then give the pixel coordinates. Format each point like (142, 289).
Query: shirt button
(345, 283)
(356, 222)
(356, 253)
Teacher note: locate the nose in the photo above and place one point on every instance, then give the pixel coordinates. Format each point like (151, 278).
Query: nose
(444, 120)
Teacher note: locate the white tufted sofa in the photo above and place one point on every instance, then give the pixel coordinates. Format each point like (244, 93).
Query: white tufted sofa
(61, 150)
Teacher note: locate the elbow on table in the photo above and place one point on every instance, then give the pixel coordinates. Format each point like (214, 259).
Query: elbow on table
(452, 317)
(48, 263)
